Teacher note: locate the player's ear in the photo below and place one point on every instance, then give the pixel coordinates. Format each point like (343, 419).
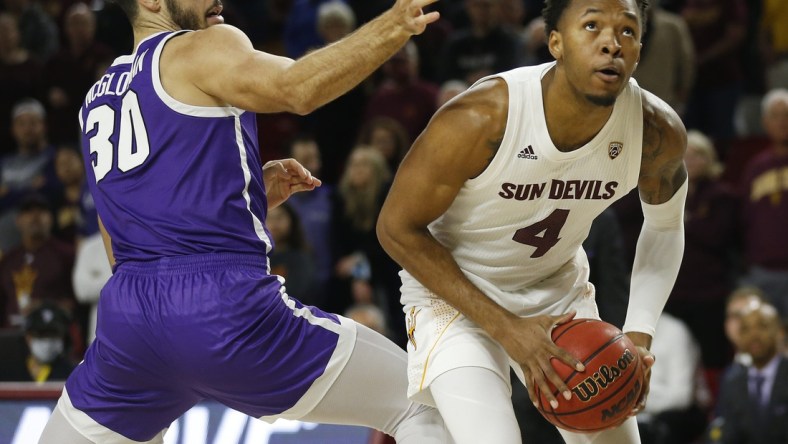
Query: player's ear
(555, 44)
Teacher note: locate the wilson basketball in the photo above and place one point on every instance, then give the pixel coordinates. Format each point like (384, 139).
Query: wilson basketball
(605, 393)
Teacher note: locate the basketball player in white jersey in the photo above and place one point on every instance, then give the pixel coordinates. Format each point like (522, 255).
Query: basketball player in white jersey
(507, 178)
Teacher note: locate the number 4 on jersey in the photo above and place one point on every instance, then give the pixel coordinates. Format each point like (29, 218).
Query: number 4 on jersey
(543, 234)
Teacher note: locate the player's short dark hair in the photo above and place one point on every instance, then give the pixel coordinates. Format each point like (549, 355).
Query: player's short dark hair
(130, 7)
(554, 9)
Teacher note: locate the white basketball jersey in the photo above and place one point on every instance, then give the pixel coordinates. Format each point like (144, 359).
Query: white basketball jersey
(519, 226)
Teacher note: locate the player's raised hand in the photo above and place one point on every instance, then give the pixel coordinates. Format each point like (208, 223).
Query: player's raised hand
(284, 177)
(411, 17)
(531, 346)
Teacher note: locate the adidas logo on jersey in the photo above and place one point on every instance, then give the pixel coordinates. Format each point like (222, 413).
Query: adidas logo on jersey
(527, 153)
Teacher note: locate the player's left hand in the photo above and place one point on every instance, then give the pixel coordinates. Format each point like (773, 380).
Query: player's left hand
(643, 342)
(283, 178)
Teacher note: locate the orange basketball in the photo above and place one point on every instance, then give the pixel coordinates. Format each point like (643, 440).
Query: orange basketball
(605, 393)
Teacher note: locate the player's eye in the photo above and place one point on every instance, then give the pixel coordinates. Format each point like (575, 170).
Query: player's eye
(590, 26)
(629, 32)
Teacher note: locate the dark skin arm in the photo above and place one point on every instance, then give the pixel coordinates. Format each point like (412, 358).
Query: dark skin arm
(457, 145)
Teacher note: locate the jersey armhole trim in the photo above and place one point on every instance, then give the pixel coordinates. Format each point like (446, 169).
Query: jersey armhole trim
(178, 106)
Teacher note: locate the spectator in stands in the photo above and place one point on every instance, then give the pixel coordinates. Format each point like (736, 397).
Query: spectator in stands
(37, 29)
(71, 72)
(363, 271)
(387, 136)
(31, 167)
(402, 95)
(336, 124)
(710, 266)
(739, 302)
(667, 60)
(70, 173)
(315, 211)
(718, 30)
(37, 270)
(39, 354)
(20, 77)
(675, 412)
(765, 206)
(291, 256)
(753, 408)
(46, 332)
(485, 47)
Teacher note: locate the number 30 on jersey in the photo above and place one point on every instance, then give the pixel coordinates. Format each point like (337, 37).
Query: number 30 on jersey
(132, 147)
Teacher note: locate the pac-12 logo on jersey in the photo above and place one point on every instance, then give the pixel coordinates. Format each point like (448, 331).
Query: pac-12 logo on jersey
(527, 153)
(615, 149)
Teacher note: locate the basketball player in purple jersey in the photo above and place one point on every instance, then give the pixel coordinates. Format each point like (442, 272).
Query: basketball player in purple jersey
(192, 311)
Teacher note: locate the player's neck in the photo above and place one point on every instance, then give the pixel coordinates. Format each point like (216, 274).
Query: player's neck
(572, 120)
(145, 28)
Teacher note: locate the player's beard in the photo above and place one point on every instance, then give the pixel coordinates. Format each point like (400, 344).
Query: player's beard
(184, 19)
(603, 101)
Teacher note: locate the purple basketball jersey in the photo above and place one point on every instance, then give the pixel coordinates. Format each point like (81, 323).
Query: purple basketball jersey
(168, 178)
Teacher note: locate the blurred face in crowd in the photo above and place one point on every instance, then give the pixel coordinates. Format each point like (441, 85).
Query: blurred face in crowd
(775, 122)
(761, 333)
(384, 141)
(307, 153)
(733, 314)
(68, 166)
(483, 14)
(361, 167)
(34, 224)
(9, 33)
(80, 25)
(29, 131)
(279, 224)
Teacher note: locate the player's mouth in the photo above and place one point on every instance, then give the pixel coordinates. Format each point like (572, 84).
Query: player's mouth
(213, 16)
(608, 73)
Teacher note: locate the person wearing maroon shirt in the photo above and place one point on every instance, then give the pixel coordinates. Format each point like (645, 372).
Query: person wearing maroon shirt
(765, 205)
(37, 270)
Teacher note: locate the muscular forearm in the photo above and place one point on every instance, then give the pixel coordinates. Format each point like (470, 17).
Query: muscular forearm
(325, 74)
(436, 269)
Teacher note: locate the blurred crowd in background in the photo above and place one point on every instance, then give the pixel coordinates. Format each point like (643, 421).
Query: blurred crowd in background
(721, 64)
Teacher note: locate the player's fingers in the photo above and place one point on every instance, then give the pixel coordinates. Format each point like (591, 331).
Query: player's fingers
(426, 19)
(564, 318)
(530, 386)
(556, 380)
(541, 382)
(422, 3)
(567, 358)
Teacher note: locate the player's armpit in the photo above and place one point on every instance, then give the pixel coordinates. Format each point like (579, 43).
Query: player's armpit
(107, 243)
(662, 170)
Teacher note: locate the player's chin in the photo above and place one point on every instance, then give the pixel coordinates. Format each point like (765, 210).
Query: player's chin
(605, 99)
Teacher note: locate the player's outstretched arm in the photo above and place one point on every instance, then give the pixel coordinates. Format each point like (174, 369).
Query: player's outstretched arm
(221, 62)
(663, 191)
(458, 144)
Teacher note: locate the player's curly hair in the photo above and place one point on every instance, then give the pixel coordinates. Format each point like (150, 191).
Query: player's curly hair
(553, 10)
(130, 7)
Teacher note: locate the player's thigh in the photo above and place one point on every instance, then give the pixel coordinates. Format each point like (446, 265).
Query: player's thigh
(627, 433)
(476, 406)
(371, 389)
